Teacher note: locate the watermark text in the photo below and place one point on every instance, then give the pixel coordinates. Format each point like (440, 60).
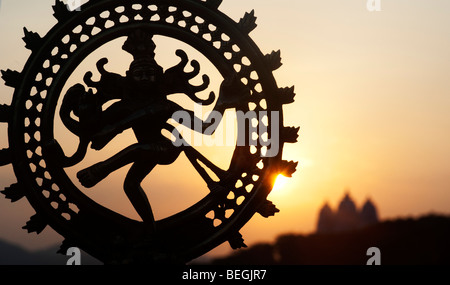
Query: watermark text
(74, 5)
(375, 254)
(253, 129)
(75, 256)
(373, 5)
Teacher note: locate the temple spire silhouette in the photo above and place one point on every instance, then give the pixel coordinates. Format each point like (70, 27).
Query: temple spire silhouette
(347, 216)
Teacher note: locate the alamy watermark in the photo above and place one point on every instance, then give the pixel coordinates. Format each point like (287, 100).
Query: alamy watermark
(373, 5)
(75, 256)
(253, 129)
(73, 5)
(375, 254)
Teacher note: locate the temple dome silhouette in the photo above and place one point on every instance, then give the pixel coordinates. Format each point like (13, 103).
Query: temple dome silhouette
(347, 216)
(326, 219)
(369, 214)
(347, 205)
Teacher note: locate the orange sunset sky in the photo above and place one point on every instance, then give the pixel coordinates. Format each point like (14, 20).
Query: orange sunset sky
(373, 104)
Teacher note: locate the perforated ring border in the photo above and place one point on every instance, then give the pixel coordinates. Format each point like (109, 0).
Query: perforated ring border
(30, 149)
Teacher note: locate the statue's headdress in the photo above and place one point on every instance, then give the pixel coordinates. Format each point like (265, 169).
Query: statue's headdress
(141, 46)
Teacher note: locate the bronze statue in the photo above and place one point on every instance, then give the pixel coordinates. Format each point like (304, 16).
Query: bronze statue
(144, 108)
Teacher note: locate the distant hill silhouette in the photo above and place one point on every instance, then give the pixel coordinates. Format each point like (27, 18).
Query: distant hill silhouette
(421, 241)
(15, 255)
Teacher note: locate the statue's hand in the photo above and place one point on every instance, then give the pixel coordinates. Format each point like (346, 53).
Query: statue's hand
(101, 139)
(232, 93)
(176, 80)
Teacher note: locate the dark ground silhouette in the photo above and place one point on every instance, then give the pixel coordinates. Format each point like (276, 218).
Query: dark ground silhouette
(421, 241)
(15, 255)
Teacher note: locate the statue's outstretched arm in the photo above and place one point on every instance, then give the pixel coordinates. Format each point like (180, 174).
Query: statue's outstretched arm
(233, 94)
(109, 131)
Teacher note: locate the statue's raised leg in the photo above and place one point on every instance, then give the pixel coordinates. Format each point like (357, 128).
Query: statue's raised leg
(92, 175)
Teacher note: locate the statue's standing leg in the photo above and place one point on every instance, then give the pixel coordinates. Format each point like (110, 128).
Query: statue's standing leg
(136, 194)
(144, 158)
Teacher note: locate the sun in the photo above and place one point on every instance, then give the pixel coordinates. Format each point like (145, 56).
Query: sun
(280, 182)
